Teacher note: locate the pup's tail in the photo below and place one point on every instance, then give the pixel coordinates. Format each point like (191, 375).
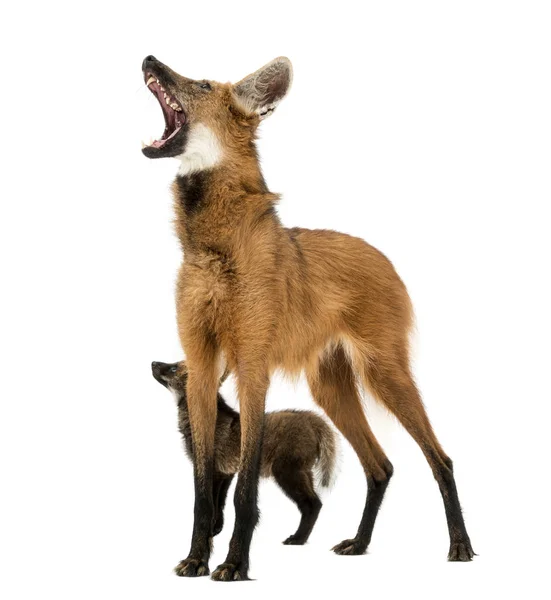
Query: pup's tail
(328, 450)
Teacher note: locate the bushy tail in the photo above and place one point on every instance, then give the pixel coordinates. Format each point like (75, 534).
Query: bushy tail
(327, 459)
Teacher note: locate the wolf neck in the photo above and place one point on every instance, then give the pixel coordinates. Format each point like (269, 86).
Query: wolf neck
(203, 151)
(212, 204)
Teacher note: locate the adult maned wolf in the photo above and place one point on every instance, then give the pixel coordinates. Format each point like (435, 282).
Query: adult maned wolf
(253, 297)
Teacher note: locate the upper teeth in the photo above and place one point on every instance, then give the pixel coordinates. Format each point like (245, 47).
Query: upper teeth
(153, 80)
(171, 103)
(167, 98)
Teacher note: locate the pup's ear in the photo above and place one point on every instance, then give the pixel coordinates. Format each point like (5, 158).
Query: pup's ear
(261, 91)
(182, 367)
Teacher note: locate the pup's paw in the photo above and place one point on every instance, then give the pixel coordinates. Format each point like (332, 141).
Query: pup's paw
(293, 540)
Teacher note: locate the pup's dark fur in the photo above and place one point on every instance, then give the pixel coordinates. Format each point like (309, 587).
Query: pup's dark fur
(295, 442)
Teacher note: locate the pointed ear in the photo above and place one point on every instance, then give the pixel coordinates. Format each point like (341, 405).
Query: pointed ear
(261, 91)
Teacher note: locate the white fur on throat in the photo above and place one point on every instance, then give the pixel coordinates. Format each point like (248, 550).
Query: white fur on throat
(203, 150)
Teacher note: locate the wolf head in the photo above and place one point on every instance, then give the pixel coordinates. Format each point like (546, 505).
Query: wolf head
(207, 122)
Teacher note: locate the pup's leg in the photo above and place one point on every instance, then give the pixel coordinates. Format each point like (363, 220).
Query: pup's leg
(298, 485)
(220, 491)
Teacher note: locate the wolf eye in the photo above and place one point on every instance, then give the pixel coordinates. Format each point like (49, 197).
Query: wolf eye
(205, 86)
(173, 369)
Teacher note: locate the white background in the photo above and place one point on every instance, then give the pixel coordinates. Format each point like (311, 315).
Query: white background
(423, 127)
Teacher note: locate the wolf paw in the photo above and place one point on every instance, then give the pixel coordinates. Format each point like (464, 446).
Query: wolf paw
(350, 547)
(461, 552)
(230, 572)
(192, 567)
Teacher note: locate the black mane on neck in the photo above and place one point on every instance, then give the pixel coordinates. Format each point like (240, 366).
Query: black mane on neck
(192, 190)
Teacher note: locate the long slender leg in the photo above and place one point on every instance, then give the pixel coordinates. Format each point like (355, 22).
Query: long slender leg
(334, 388)
(393, 385)
(252, 395)
(220, 491)
(202, 386)
(298, 485)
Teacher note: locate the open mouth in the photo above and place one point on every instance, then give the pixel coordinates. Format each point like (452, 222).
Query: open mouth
(174, 115)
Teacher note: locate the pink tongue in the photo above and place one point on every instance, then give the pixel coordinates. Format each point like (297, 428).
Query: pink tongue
(159, 143)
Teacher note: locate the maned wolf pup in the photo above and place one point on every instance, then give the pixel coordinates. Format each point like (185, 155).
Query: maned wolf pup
(261, 297)
(294, 443)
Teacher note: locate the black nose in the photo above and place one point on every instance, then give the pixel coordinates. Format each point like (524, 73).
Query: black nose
(154, 365)
(148, 60)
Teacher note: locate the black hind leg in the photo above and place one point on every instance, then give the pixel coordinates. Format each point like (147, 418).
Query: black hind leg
(394, 386)
(298, 485)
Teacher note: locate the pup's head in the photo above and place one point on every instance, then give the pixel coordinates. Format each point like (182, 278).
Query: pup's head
(210, 120)
(172, 375)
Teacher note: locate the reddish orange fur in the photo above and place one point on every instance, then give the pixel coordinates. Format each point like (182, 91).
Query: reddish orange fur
(263, 297)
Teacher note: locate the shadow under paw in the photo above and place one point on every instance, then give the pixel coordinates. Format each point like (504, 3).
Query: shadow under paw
(461, 552)
(230, 572)
(350, 547)
(191, 567)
